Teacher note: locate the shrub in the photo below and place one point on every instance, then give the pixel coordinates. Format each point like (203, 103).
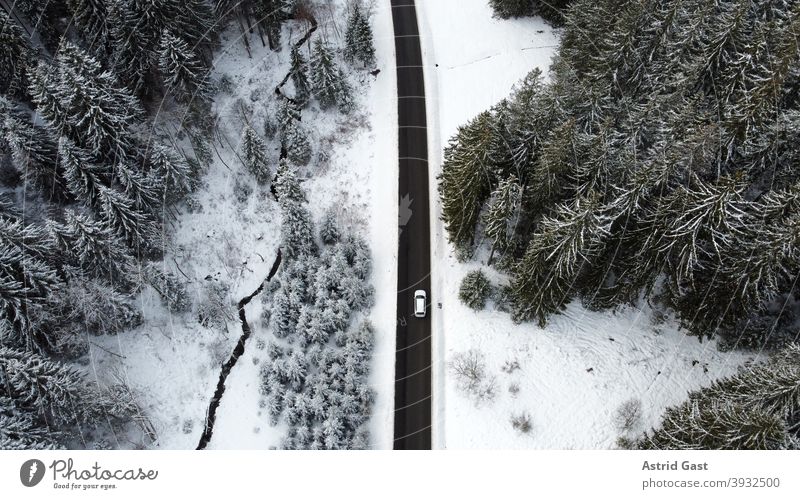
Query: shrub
(475, 290)
(628, 416)
(522, 422)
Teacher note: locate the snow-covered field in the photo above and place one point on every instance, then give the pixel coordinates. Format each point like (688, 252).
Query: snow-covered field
(171, 360)
(574, 374)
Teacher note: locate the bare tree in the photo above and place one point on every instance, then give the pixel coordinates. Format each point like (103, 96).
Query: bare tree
(628, 415)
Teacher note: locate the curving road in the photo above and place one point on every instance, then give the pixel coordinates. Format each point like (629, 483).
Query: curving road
(412, 417)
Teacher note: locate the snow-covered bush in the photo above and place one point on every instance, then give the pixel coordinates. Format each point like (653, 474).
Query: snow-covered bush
(475, 290)
(469, 370)
(522, 422)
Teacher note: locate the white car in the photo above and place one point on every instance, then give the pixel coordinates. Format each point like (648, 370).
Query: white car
(420, 303)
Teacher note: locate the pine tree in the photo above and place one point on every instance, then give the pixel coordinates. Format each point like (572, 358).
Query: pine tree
(255, 155)
(182, 72)
(57, 393)
(26, 280)
(758, 408)
(172, 290)
(92, 247)
(297, 232)
(288, 112)
(139, 188)
(83, 178)
(14, 57)
(294, 138)
(358, 38)
(512, 8)
(326, 78)
(132, 55)
(299, 72)
(564, 244)
(136, 31)
(118, 214)
(170, 171)
(295, 142)
(503, 215)
(20, 429)
(83, 102)
(269, 15)
(467, 178)
(90, 17)
(345, 96)
(329, 230)
(34, 152)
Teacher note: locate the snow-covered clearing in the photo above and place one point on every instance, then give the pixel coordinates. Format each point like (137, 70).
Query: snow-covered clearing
(174, 362)
(574, 374)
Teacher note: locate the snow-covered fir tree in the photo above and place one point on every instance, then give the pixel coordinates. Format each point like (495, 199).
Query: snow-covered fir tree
(299, 72)
(80, 100)
(183, 74)
(91, 18)
(467, 177)
(297, 231)
(14, 56)
(34, 152)
(294, 138)
(755, 409)
(254, 152)
(327, 82)
(358, 38)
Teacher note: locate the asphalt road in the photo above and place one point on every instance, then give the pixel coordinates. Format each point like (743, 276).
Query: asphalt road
(412, 400)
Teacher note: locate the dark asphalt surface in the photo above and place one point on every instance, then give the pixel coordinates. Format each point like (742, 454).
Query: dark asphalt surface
(412, 417)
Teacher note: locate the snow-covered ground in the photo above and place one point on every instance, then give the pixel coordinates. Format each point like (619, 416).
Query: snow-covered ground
(572, 375)
(171, 360)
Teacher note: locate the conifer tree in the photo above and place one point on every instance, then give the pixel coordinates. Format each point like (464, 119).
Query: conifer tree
(118, 214)
(171, 172)
(503, 216)
(758, 408)
(512, 8)
(57, 393)
(34, 152)
(83, 102)
(14, 57)
(299, 72)
(358, 38)
(20, 429)
(269, 15)
(83, 178)
(297, 232)
(90, 17)
(92, 247)
(295, 142)
(182, 72)
(326, 79)
(329, 230)
(467, 178)
(294, 138)
(255, 158)
(564, 244)
(475, 289)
